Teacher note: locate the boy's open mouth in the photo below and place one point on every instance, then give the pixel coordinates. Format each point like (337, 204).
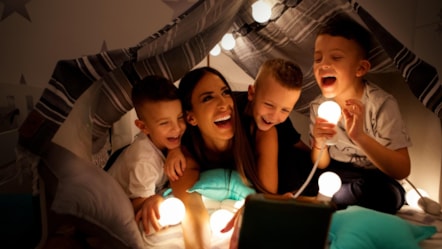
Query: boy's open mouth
(327, 81)
(266, 122)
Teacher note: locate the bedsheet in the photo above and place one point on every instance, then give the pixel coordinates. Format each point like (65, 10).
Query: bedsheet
(417, 216)
(172, 236)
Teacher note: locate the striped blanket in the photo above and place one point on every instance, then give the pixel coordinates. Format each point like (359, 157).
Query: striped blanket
(184, 42)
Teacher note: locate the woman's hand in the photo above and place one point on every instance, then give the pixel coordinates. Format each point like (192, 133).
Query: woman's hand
(175, 164)
(150, 212)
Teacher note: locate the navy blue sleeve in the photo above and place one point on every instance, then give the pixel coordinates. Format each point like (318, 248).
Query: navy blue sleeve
(287, 134)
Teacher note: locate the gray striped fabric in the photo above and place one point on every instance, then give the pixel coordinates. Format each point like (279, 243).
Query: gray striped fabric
(183, 43)
(292, 36)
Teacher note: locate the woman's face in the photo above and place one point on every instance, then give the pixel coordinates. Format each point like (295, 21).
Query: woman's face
(212, 108)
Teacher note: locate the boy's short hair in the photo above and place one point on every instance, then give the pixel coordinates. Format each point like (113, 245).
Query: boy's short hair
(286, 72)
(153, 88)
(344, 26)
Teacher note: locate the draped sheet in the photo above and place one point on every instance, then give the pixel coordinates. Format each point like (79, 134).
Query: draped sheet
(182, 44)
(291, 35)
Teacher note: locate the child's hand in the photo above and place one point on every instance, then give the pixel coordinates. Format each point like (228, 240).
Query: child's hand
(322, 131)
(354, 112)
(150, 212)
(175, 164)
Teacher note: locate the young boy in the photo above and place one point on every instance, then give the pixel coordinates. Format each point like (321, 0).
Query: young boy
(266, 108)
(371, 151)
(139, 168)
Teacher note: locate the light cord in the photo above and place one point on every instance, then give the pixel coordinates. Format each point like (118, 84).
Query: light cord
(414, 187)
(310, 176)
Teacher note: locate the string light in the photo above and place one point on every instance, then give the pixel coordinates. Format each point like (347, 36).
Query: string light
(261, 11)
(228, 42)
(218, 220)
(172, 212)
(329, 183)
(263, 14)
(330, 111)
(215, 50)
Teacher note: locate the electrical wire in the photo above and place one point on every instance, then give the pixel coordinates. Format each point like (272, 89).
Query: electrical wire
(310, 176)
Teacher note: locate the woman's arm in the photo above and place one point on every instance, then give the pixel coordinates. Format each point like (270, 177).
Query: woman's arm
(266, 146)
(195, 225)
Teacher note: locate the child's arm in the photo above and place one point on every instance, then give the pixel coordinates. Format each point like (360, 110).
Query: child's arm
(175, 164)
(147, 210)
(395, 163)
(321, 131)
(267, 158)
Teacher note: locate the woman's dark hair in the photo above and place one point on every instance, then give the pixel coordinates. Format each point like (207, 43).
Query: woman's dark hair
(241, 149)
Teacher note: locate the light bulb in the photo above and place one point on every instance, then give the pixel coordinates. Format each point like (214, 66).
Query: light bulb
(412, 197)
(215, 50)
(261, 11)
(329, 183)
(330, 111)
(228, 41)
(218, 220)
(172, 212)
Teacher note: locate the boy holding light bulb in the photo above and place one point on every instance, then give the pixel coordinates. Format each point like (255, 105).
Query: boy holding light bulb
(139, 168)
(370, 153)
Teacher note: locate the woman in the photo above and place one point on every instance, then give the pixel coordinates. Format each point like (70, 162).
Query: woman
(214, 139)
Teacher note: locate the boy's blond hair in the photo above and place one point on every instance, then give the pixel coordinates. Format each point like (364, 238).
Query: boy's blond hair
(285, 72)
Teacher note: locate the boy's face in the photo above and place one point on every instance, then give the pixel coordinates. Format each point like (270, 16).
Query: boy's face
(338, 65)
(271, 102)
(163, 122)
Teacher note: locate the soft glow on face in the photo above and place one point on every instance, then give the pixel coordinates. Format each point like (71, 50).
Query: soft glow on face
(330, 111)
(171, 212)
(413, 197)
(228, 41)
(215, 50)
(261, 11)
(218, 220)
(329, 184)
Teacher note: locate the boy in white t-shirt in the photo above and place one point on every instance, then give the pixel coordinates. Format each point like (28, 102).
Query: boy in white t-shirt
(139, 168)
(371, 154)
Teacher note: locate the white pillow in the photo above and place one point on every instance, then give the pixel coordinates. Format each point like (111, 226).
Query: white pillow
(91, 194)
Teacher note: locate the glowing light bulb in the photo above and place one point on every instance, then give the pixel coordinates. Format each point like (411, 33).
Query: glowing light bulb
(218, 220)
(261, 11)
(228, 41)
(216, 50)
(329, 183)
(172, 212)
(412, 197)
(330, 111)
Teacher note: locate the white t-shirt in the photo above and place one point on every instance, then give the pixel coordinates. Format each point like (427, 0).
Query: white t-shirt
(383, 122)
(139, 168)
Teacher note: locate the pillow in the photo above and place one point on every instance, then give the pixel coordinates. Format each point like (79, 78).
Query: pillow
(221, 184)
(362, 228)
(92, 196)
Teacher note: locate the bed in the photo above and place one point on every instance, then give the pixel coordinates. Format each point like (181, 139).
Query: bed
(68, 137)
(89, 198)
